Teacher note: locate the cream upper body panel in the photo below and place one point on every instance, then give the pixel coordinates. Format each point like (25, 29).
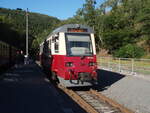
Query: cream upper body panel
(93, 43)
(62, 44)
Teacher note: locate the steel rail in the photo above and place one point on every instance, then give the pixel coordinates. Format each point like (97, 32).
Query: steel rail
(86, 104)
(87, 107)
(111, 102)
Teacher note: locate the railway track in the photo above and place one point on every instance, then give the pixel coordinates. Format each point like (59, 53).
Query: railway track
(94, 102)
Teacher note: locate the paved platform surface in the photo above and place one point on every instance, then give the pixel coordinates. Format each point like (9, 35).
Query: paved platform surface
(130, 91)
(26, 90)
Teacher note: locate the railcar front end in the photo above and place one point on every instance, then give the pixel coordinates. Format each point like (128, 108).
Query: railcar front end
(73, 55)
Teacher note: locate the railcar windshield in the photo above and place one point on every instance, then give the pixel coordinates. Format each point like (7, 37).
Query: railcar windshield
(79, 45)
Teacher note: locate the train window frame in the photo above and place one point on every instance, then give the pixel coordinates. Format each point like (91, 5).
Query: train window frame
(56, 46)
(55, 40)
(49, 46)
(66, 40)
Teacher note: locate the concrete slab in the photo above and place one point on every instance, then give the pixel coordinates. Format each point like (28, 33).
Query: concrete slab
(130, 91)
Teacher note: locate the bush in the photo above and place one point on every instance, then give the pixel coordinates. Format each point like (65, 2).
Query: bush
(130, 51)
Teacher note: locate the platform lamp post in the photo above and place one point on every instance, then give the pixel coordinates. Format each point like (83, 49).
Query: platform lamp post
(26, 56)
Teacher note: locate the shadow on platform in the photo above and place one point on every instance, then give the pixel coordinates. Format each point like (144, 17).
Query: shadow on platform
(25, 90)
(107, 78)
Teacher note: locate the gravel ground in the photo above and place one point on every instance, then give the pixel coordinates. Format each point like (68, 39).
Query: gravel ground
(130, 91)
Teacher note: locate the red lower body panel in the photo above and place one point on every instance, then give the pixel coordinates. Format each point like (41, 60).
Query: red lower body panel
(80, 66)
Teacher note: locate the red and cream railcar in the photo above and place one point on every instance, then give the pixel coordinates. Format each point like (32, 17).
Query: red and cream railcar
(69, 53)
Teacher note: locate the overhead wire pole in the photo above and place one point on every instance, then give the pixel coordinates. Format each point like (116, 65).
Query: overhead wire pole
(26, 56)
(27, 33)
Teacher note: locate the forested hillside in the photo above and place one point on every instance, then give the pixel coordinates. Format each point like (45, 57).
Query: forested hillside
(121, 26)
(13, 27)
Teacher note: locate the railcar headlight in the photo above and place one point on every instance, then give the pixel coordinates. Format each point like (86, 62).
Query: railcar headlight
(92, 63)
(69, 64)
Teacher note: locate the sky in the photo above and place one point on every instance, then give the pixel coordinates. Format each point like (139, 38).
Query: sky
(62, 9)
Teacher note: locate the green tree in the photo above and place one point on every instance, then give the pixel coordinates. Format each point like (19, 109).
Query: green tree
(143, 22)
(13, 23)
(88, 12)
(130, 51)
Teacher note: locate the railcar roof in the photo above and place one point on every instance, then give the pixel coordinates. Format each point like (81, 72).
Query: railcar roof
(64, 28)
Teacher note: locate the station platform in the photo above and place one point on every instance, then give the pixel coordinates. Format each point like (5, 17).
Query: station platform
(133, 92)
(25, 89)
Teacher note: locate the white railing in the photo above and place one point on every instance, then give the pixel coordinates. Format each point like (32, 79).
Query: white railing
(125, 65)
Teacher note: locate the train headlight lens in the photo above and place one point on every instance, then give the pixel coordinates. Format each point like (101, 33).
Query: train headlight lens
(69, 64)
(92, 63)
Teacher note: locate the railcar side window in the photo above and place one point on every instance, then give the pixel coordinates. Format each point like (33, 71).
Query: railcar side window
(56, 45)
(49, 46)
(55, 40)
